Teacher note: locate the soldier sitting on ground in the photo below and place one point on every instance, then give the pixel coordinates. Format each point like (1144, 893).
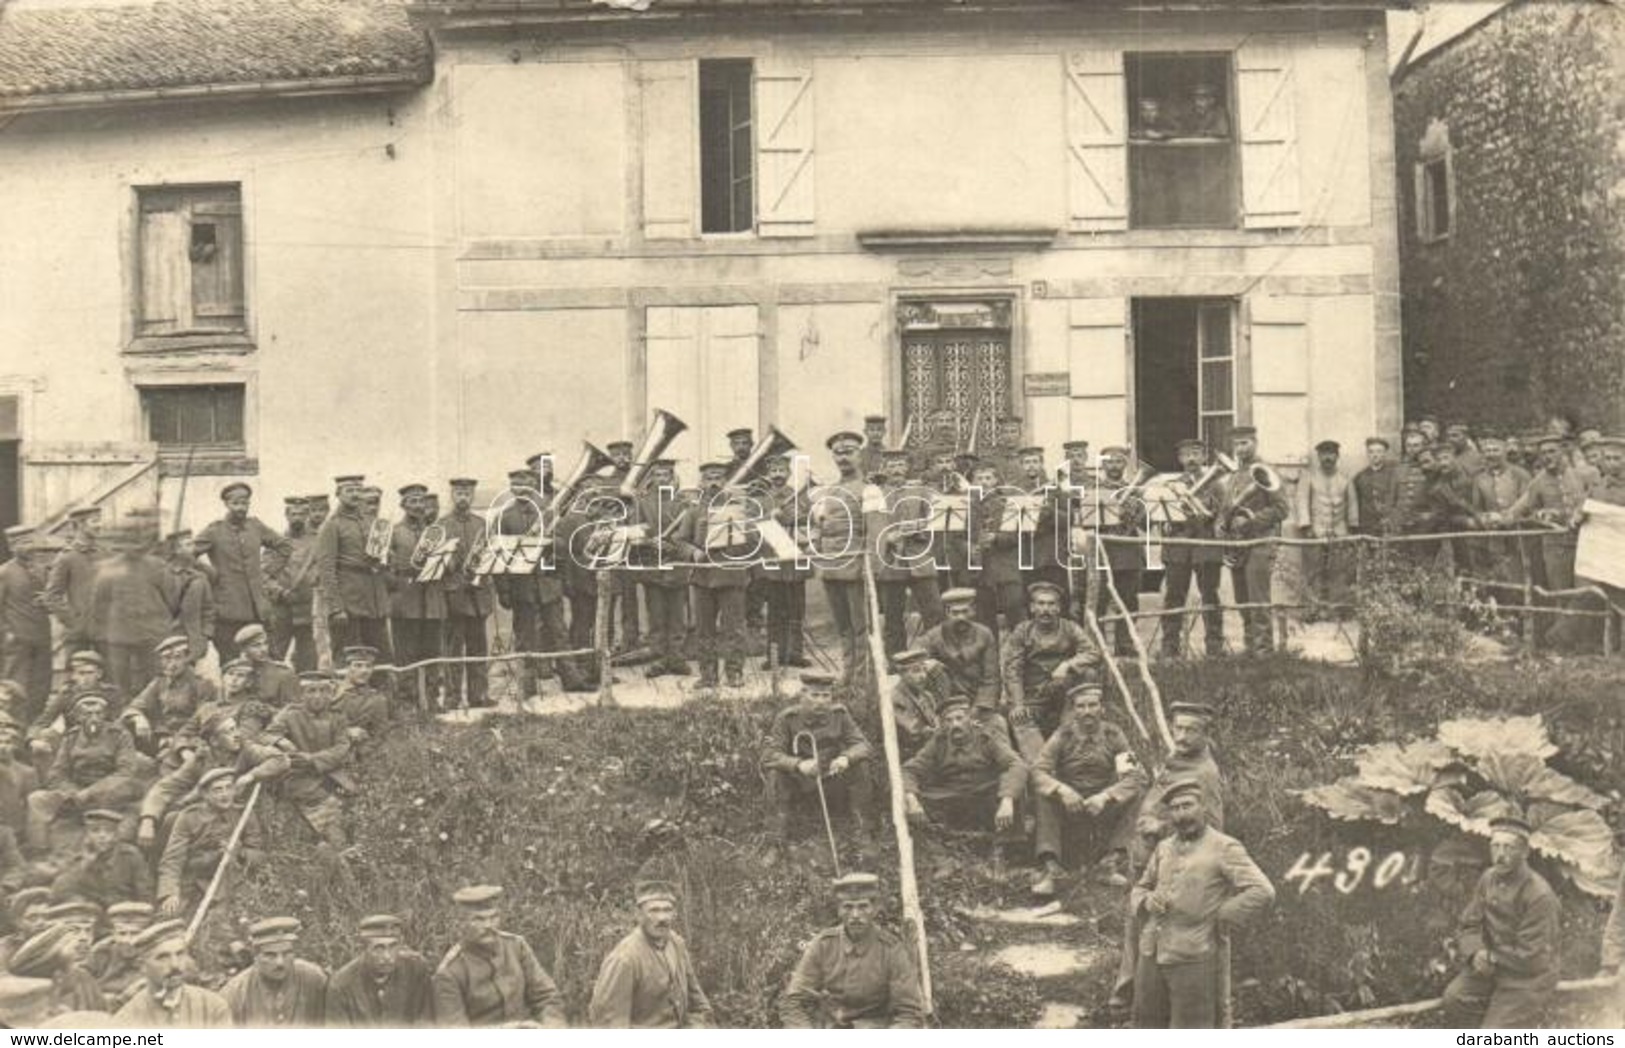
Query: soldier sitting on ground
(922, 686)
(965, 777)
(491, 978)
(170, 700)
(279, 989)
(52, 954)
(647, 982)
(107, 870)
(27, 911)
(219, 743)
(358, 701)
(386, 985)
(320, 748)
(87, 674)
(855, 976)
(164, 1000)
(1042, 658)
(96, 766)
(816, 740)
(113, 960)
(198, 842)
(276, 685)
(1087, 781)
(968, 651)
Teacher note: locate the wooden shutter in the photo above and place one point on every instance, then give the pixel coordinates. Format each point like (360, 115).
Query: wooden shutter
(1279, 340)
(672, 373)
(1097, 141)
(1267, 121)
(165, 272)
(1097, 356)
(217, 284)
(671, 137)
(786, 196)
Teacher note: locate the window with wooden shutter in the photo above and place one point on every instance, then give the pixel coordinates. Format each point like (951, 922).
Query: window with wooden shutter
(1280, 376)
(191, 260)
(1097, 141)
(670, 142)
(787, 193)
(703, 364)
(1271, 181)
(1097, 353)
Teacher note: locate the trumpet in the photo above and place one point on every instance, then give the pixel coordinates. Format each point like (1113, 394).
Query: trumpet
(379, 535)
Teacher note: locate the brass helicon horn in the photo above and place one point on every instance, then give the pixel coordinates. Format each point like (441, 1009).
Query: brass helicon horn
(593, 460)
(771, 446)
(664, 429)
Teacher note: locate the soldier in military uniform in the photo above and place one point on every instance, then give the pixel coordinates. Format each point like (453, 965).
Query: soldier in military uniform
(1555, 497)
(1375, 488)
(165, 1000)
(995, 563)
(279, 989)
(1253, 565)
(967, 650)
(220, 743)
(491, 978)
(468, 597)
(353, 586)
(320, 745)
(106, 870)
(26, 907)
(1041, 659)
(1496, 489)
(132, 605)
(816, 724)
(1203, 563)
(921, 689)
(71, 580)
(86, 675)
(275, 685)
(782, 582)
(536, 599)
(857, 975)
(661, 568)
(165, 706)
(904, 567)
(55, 954)
(624, 583)
(113, 961)
(417, 610)
(1199, 886)
(847, 516)
(386, 985)
(1125, 561)
(358, 700)
(25, 625)
(1043, 556)
(965, 777)
(96, 766)
(198, 840)
(871, 462)
(719, 576)
(290, 583)
(1610, 489)
(647, 982)
(1087, 781)
(233, 547)
(1509, 940)
(194, 595)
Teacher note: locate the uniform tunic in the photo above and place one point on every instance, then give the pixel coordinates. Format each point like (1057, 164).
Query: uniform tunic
(642, 986)
(1375, 491)
(982, 765)
(22, 605)
(463, 597)
(402, 999)
(133, 601)
(191, 1008)
(1517, 918)
(970, 654)
(853, 985)
(837, 734)
(478, 985)
(119, 874)
(196, 842)
(1032, 654)
(234, 551)
(115, 967)
(108, 762)
(169, 704)
(1087, 761)
(350, 581)
(300, 1000)
(70, 587)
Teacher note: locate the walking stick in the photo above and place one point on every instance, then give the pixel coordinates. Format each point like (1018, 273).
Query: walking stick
(225, 861)
(823, 802)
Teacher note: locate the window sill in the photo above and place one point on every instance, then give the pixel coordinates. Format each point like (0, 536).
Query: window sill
(210, 462)
(232, 342)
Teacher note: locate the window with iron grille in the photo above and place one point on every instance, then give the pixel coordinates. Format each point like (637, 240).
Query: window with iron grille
(727, 190)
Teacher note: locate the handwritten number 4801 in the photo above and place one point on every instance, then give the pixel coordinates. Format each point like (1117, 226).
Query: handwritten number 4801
(1397, 866)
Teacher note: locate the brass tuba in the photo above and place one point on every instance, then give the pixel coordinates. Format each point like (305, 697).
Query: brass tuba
(773, 444)
(665, 428)
(1262, 482)
(593, 460)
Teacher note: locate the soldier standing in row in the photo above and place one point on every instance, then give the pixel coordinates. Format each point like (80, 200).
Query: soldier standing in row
(417, 610)
(783, 583)
(491, 978)
(279, 989)
(1124, 562)
(468, 597)
(25, 625)
(290, 583)
(233, 547)
(72, 578)
(1203, 563)
(386, 985)
(847, 516)
(857, 975)
(647, 982)
(714, 539)
(624, 584)
(352, 583)
(660, 566)
(1261, 518)
(133, 605)
(903, 566)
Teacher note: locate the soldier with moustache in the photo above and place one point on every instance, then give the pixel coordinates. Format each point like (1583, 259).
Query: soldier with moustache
(856, 975)
(467, 597)
(233, 546)
(950, 551)
(1497, 486)
(289, 582)
(71, 579)
(625, 583)
(1125, 561)
(903, 567)
(194, 594)
(994, 554)
(352, 584)
(1262, 518)
(386, 985)
(719, 575)
(965, 777)
(874, 445)
(1181, 564)
(847, 517)
(535, 599)
(1043, 557)
(816, 723)
(25, 624)
(491, 978)
(783, 582)
(417, 610)
(657, 562)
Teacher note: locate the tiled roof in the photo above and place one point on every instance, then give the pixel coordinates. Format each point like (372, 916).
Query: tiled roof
(118, 46)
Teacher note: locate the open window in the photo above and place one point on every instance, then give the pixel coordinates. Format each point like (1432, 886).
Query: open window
(727, 190)
(1185, 374)
(1181, 141)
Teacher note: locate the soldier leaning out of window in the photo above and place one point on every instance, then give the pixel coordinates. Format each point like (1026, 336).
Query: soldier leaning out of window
(1151, 120)
(1205, 115)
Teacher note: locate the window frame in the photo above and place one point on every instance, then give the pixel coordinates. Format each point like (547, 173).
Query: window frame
(212, 459)
(1203, 415)
(747, 66)
(195, 323)
(1428, 206)
(1231, 144)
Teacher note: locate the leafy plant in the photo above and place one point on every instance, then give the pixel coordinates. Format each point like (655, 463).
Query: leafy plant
(1476, 771)
(1408, 615)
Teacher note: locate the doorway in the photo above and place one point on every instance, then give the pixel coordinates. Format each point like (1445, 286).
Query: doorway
(11, 487)
(956, 369)
(1184, 375)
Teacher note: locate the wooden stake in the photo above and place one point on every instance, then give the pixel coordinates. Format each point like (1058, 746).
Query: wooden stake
(225, 861)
